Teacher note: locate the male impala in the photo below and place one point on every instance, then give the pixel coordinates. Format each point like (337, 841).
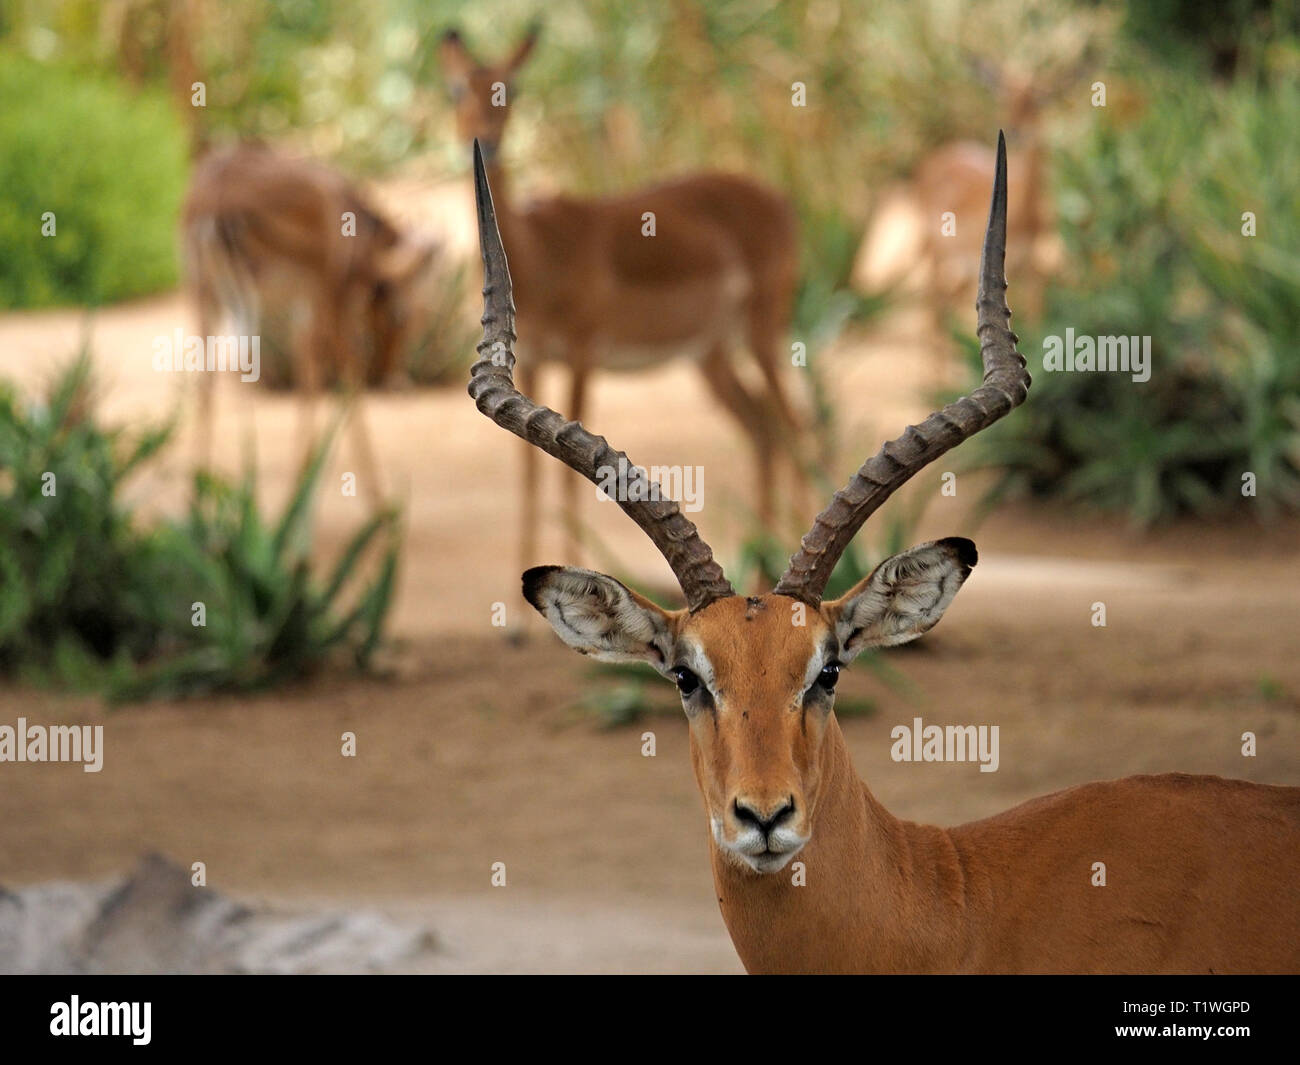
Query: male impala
(262, 229)
(593, 291)
(1202, 871)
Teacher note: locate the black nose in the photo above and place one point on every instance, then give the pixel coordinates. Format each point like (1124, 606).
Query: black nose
(745, 813)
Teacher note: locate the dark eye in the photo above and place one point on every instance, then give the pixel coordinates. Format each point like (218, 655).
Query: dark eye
(687, 682)
(828, 677)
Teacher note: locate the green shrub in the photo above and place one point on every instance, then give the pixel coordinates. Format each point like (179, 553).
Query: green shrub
(336, 74)
(69, 553)
(1218, 36)
(91, 599)
(1152, 218)
(268, 617)
(109, 165)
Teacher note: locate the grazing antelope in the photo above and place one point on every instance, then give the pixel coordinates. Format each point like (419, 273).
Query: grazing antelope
(911, 242)
(262, 229)
(1202, 871)
(594, 291)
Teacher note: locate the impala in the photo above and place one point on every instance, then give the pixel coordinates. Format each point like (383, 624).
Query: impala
(594, 291)
(1201, 871)
(951, 180)
(260, 230)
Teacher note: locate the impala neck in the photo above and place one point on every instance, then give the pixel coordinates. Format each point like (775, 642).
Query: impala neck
(499, 180)
(1033, 165)
(880, 894)
(512, 233)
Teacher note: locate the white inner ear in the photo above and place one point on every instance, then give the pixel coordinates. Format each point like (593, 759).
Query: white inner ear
(597, 616)
(904, 598)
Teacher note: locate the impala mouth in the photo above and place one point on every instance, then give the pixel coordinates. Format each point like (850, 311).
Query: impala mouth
(769, 861)
(752, 850)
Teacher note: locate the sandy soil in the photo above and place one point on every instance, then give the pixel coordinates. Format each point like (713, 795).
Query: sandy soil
(474, 752)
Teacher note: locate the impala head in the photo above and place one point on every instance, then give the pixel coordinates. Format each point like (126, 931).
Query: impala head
(481, 94)
(401, 276)
(756, 675)
(1025, 93)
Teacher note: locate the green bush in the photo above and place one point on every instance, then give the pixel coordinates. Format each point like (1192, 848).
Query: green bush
(1152, 217)
(91, 599)
(268, 617)
(1218, 36)
(109, 165)
(68, 548)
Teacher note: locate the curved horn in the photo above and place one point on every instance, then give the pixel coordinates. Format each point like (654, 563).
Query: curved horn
(492, 385)
(1006, 384)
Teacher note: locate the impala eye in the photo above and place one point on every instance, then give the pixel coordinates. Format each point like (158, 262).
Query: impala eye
(828, 677)
(687, 682)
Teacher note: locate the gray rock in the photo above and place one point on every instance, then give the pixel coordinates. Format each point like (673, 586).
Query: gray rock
(155, 921)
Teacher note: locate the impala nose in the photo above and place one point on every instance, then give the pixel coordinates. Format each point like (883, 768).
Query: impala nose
(764, 818)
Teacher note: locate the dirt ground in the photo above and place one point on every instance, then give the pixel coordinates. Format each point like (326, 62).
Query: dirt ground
(474, 752)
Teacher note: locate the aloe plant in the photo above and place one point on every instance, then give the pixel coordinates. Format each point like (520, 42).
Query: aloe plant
(93, 599)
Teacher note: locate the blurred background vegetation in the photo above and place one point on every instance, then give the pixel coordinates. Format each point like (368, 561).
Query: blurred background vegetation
(1148, 192)
(108, 163)
(1152, 214)
(87, 591)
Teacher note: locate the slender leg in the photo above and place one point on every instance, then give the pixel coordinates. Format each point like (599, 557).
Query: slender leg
(307, 379)
(572, 481)
(939, 300)
(788, 427)
(730, 391)
(203, 427)
(208, 315)
(355, 393)
(764, 343)
(531, 467)
(525, 622)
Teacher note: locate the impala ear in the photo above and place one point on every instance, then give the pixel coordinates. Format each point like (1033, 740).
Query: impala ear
(598, 616)
(903, 598)
(525, 48)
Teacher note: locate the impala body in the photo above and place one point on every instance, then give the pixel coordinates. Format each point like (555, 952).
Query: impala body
(596, 290)
(261, 230)
(1200, 872)
(261, 227)
(951, 180)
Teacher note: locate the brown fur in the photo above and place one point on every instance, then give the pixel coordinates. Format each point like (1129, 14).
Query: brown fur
(593, 292)
(274, 223)
(1200, 870)
(260, 228)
